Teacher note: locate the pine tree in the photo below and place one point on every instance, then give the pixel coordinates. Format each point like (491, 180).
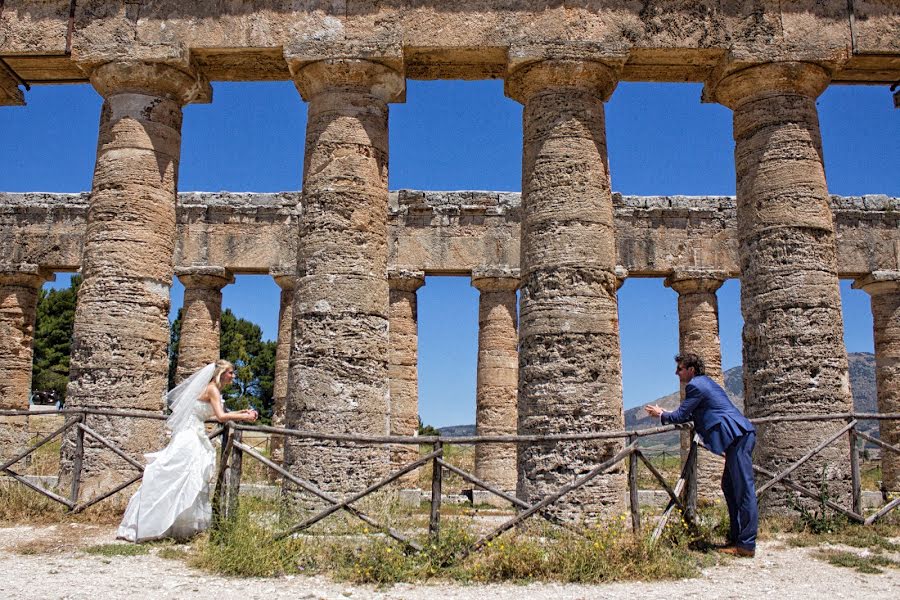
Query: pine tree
(53, 338)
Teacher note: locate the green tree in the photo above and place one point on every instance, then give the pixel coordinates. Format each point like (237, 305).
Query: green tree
(427, 429)
(241, 343)
(53, 338)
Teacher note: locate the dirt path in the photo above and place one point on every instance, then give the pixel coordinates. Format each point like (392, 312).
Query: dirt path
(47, 562)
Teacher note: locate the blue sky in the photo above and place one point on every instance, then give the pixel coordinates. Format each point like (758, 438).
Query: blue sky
(453, 135)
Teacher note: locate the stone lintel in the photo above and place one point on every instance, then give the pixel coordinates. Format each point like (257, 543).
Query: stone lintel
(496, 279)
(532, 77)
(204, 276)
(404, 279)
(879, 282)
(180, 83)
(732, 84)
(382, 80)
(689, 281)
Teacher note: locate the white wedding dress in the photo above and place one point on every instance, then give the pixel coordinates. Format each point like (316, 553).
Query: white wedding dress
(173, 498)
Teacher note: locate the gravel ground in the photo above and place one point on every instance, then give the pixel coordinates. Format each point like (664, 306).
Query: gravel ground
(47, 562)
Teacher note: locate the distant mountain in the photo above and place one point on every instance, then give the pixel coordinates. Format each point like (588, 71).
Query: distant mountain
(457, 430)
(862, 384)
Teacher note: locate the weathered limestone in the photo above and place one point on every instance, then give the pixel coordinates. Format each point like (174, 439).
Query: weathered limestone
(339, 355)
(794, 355)
(569, 359)
(884, 288)
(498, 376)
(10, 94)
(120, 340)
(198, 344)
(287, 283)
(403, 365)
(19, 288)
(698, 332)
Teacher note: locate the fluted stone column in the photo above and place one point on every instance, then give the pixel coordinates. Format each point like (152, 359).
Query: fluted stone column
(200, 317)
(496, 412)
(884, 288)
(287, 283)
(403, 368)
(19, 289)
(698, 332)
(570, 374)
(794, 355)
(121, 332)
(339, 357)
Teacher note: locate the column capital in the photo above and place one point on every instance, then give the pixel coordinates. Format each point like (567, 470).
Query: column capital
(496, 279)
(524, 81)
(10, 94)
(183, 85)
(879, 282)
(284, 279)
(24, 274)
(406, 280)
(621, 275)
(693, 281)
(204, 277)
(732, 86)
(314, 78)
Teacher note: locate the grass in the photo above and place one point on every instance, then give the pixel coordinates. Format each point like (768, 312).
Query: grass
(110, 550)
(607, 552)
(870, 564)
(19, 504)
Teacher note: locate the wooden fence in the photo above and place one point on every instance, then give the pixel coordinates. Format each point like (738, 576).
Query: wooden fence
(682, 494)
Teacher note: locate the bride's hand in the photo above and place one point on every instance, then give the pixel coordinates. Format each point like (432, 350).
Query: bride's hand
(251, 415)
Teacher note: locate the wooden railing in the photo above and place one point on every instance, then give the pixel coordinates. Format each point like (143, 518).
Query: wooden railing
(682, 495)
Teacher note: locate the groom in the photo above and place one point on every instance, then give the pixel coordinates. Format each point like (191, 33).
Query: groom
(724, 431)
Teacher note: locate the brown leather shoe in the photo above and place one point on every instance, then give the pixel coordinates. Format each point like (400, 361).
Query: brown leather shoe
(738, 551)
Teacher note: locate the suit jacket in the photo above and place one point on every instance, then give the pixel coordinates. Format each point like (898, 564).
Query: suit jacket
(715, 418)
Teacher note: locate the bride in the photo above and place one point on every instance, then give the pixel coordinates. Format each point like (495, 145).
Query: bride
(173, 498)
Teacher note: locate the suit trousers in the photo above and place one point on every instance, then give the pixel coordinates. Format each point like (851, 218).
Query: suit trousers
(740, 492)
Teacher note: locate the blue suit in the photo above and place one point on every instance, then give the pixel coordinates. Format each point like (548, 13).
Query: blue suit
(724, 431)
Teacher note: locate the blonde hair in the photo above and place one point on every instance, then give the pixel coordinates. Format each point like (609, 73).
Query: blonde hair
(222, 365)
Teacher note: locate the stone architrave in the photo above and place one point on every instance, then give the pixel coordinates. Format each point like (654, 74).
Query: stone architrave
(496, 411)
(884, 289)
(198, 344)
(403, 368)
(339, 355)
(287, 283)
(570, 374)
(795, 361)
(698, 333)
(121, 334)
(19, 289)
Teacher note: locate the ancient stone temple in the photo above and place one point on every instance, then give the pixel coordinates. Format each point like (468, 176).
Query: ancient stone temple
(349, 255)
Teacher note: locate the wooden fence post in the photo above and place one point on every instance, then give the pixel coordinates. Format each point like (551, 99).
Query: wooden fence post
(434, 524)
(633, 489)
(234, 475)
(854, 472)
(78, 463)
(219, 494)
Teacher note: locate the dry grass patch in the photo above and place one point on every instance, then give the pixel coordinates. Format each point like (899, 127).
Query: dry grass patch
(864, 563)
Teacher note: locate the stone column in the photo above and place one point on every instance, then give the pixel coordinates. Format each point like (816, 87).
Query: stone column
(570, 373)
(339, 355)
(121, 334)
(496, 412)
(19, 289)
(287, 283)
(200, 317)
(403, 368)
(794, 355)
(884, 288)
(698, 332)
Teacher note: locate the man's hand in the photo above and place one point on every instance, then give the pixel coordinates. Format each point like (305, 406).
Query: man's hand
(654, 410)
